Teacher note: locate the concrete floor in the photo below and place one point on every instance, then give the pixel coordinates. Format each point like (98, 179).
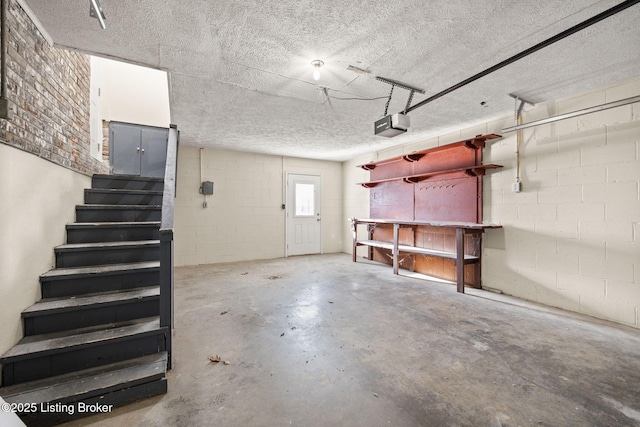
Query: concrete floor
(321, 341)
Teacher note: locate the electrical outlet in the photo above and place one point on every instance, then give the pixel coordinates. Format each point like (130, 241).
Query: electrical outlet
(516, 186)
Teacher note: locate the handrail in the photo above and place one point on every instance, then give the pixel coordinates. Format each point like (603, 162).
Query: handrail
(169, 193)
(166, 240)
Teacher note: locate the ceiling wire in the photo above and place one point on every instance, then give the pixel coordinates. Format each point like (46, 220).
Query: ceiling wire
(327, 98)
(325, 90)
(358, 99)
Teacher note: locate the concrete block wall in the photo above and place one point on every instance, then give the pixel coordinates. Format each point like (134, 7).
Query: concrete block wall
(571, 238)
(356, 198)
(244, 219)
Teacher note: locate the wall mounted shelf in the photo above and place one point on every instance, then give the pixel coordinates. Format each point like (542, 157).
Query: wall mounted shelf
(477, 142)
(478, 170)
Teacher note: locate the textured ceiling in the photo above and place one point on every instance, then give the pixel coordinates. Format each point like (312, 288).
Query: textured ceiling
(241, 75)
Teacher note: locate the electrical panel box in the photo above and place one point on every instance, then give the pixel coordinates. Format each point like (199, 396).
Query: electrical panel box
(207, 188)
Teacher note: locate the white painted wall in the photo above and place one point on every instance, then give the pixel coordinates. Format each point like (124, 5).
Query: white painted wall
(39, 198)
(134, 94)
(571, 238)
(244, 219)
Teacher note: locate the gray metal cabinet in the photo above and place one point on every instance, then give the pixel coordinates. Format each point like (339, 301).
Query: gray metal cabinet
(137, 150)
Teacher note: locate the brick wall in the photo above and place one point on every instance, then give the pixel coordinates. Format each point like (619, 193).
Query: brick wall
(49, 90)
(106, 148)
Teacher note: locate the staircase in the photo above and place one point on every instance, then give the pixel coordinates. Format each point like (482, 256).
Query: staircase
(95, 336)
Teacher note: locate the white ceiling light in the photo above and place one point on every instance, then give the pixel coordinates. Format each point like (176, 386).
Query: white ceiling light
(316, 69)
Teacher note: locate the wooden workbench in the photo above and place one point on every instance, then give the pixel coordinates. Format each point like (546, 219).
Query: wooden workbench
(460, 257)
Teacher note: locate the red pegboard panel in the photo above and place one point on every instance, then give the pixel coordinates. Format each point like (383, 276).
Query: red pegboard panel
(391, 170)
(447, 200)
(391, 200)
(458, 157)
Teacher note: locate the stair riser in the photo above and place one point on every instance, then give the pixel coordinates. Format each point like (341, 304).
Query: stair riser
(106, 182)
(117, 215)
(77, 286)
(112, 234)
(120, 397)
(102, 198)
(91, 315)
(81, 357)
(107, 256)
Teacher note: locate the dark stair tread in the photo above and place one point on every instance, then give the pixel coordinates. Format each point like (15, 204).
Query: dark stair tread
(66, 273)
(75, 247)
(118, 212)
(121, 196)
(39, 345)
(128, 177)
(112, 224)
(117, 207)
(63, 304)
(92, 381)
(123, 191)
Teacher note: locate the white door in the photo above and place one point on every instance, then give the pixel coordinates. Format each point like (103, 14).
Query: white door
(303, 214)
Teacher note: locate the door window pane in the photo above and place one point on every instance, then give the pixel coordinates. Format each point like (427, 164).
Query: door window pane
(305, 199)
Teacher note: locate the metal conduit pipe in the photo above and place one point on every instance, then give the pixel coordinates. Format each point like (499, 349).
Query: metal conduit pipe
(5, 105)
(576, 28)
(3, 48)
(597, 108)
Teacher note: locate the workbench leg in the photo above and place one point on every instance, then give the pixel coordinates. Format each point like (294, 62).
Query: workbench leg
(354, 232)
(460, 259)
(396, 235)
(370, 228)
